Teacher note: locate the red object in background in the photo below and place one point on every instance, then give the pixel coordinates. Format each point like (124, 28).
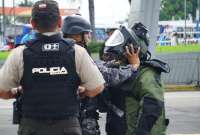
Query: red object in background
(11, 45)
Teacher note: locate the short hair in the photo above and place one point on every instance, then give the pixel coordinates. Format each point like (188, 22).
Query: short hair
(45, 13)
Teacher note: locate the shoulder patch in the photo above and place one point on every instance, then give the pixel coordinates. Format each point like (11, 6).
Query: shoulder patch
(50, 47)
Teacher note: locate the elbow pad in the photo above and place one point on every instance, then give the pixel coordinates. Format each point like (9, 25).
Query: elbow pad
(151, 111)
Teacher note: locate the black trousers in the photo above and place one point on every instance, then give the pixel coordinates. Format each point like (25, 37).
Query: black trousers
(68, 126)
(115, 125)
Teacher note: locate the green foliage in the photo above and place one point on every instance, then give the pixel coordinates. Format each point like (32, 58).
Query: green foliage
(178, 49)
(24, 19)
(25, 3)
(95, 56)
(175, 9)
(95, 47)
(3, 55)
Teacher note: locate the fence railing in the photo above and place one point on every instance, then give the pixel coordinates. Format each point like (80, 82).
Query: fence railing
(185, 68)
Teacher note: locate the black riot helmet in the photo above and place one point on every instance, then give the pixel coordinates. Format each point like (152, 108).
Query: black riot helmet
(137, 36)
(75, 24)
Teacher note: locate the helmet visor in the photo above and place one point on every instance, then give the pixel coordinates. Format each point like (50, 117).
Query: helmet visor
(115, 39)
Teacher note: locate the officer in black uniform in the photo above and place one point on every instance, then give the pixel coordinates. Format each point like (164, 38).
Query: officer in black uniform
(77, 28)
(50, 70)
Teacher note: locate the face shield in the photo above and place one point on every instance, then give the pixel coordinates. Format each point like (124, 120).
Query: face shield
(119, 39)
(137, 36)
(115, 39)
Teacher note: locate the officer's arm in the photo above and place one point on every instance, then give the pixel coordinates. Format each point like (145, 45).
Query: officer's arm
(151, 97)
(93, 92)
(116, 76)
(90, 76)
(9, 75)
(5, 94)
(150, 113)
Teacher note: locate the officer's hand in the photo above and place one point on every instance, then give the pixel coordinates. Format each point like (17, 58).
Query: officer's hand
(17, 90)
(133, 56)
(81, 91)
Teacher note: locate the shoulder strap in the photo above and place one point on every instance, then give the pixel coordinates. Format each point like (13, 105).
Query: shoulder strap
(158, 65)
(30, 43)
(68, 41)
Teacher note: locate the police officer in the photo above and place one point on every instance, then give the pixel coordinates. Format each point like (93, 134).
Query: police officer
(143, 97)
(49, 69)
(79, 29)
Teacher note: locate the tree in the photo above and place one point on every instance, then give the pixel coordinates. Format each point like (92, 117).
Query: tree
(194, 7)
(92, 18)
(129, 2)
(175, 9)
(26, 3)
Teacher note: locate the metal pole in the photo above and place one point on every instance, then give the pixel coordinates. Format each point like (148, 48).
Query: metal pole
(3, 19)
(198, 72)
(147, 12)
(185, 10)
(14, 17)
(14, 14)
(197, 22)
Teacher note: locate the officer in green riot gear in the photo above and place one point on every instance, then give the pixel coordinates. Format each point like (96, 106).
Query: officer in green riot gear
(142, 98)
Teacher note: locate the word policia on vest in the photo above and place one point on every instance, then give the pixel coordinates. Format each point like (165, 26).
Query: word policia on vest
(51, 70)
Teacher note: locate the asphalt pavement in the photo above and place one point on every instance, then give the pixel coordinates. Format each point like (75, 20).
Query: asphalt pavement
(182, 108)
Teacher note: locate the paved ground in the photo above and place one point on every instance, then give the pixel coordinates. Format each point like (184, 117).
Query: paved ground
(183, 109)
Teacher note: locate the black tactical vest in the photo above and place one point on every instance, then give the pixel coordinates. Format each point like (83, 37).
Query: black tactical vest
(50, 80)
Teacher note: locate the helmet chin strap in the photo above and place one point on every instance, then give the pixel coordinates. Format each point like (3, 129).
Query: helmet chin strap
(83, 43)
(148, 55)
(83, 40)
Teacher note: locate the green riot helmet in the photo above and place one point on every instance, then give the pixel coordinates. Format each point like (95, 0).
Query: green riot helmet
(137, 36)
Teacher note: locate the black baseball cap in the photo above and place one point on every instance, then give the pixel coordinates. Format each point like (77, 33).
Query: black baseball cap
(44, 9)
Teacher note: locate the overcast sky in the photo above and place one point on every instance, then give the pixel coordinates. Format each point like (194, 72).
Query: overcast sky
(106, 11)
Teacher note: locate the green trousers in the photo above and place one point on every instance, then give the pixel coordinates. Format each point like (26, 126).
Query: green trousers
(69, 126)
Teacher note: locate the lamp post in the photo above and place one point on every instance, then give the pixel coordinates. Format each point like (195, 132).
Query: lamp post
(185, 13)
(197, 21)
(3, 18)
(14, 19)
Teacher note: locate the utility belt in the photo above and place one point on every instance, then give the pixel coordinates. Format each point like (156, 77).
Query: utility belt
(17, 112)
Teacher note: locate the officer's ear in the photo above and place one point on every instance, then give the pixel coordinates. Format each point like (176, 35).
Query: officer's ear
(32, 22)
(59, 22)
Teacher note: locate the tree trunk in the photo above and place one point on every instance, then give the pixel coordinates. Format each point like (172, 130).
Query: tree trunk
(92, 18)
(129, 1)
(3, 19)
(25, 2)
